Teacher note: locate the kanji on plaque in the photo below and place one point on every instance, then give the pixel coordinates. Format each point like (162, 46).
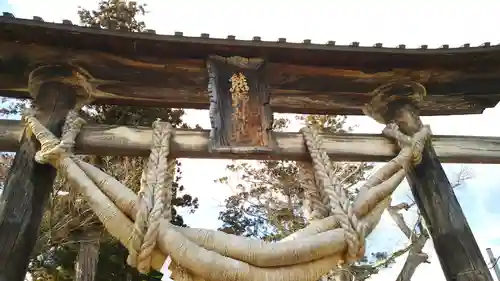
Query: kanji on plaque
(240, 114)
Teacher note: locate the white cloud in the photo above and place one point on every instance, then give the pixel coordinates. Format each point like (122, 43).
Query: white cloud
(391, 22)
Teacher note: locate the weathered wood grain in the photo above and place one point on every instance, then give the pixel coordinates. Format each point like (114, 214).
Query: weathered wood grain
(88, 256)
(239, 104)
(182, 83)
(28, 185)
(114, 140)
(457, 249)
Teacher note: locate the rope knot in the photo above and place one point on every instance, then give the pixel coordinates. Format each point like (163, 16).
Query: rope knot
(413, 145)
(377, 108)
(329, 191)
(51, 148)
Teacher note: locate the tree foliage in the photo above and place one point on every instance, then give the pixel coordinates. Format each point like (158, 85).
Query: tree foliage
(68, 218)
(115, 15)
(267, 204)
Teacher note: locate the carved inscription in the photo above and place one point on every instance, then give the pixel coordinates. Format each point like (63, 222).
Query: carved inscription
(239, 105)
(239, 96)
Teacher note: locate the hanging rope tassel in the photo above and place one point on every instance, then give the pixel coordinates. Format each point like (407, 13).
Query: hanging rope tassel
(210, 254)
(155, 198)
(328, 185)
(341, 209)
(315, 204)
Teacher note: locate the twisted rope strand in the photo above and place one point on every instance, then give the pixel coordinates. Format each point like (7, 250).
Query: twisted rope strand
(154, 198)
(51, 149)
(339, 201)
(144, 202)
(313, 202)
(169, 180)
(158, 175)
(156, 180)
(324, 202)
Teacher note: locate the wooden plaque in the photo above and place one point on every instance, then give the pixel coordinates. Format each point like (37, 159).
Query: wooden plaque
(240, 114)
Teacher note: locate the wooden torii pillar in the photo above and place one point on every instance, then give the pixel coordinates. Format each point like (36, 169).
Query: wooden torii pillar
(29, 183)
(455, 245)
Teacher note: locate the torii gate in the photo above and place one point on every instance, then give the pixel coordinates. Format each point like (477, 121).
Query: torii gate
(59, 60)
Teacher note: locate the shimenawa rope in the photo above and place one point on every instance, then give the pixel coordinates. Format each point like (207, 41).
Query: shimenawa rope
(158, 175)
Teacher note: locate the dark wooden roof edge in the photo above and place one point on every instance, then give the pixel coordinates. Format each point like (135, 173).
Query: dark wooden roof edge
(178, 37)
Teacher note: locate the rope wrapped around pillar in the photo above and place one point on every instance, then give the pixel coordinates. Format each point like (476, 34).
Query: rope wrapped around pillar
(212, 255)
(397, 105)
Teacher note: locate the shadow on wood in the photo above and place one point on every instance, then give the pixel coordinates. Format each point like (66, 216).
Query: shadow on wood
(28, 186)
(456, 247)
(239, 105)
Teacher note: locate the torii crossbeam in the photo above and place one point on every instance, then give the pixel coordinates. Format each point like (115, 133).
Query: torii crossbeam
(241, 82)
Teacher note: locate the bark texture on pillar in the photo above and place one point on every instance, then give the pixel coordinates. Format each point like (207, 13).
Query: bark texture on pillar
(29, 183)
(456, 247)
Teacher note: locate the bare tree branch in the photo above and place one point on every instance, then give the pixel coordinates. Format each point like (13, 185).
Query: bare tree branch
(462, 176)
(419, 235)
(398, 218)
(415, 256)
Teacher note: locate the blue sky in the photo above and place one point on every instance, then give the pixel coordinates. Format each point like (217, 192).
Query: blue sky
(5, 6)
(391, 22)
